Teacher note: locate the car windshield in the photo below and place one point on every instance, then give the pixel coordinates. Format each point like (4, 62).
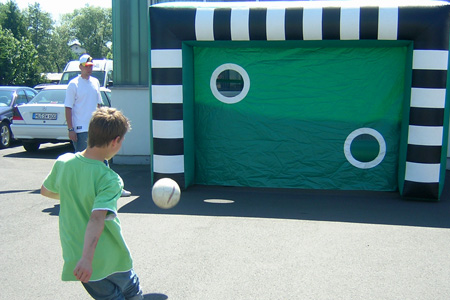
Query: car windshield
(6, 98)
(68, 76)
(49, 97)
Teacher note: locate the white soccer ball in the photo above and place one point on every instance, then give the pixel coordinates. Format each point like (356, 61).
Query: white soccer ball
(166, 193)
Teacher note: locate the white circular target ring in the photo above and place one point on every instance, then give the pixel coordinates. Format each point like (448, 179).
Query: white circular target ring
(245, 78)
(365, 165)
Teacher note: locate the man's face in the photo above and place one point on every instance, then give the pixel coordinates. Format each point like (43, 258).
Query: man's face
(86, 70)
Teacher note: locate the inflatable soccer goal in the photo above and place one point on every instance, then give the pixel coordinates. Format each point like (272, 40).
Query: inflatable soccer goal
(345, 95)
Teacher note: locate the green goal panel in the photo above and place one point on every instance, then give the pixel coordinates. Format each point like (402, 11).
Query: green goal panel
(313, 118)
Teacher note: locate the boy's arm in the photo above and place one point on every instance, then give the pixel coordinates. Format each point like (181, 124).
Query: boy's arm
(47, 193)
(83, 270)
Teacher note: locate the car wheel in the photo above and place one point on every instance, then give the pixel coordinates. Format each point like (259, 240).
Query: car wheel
(31, 146)
(5, 135)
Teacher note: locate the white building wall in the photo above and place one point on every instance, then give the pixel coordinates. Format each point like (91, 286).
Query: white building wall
(134, 102)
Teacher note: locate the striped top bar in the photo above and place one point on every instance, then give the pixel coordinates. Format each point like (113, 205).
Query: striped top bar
(312, 20)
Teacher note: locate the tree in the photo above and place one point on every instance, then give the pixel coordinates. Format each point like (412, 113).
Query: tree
(60, 48)
(40, 28)
(18, 56)
(31, 44)
(92, 27)
(12, 18)
(17, 60)
(7, 48)
(26, 62)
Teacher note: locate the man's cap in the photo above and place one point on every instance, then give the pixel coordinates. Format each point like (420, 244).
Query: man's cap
(86, 60)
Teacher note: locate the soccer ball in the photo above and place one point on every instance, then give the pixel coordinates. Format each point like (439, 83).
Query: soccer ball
(166, 193)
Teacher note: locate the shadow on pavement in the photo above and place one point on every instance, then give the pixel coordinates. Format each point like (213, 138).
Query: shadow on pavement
(47, 151)
(297, 204)
(52, 211)
(19, 191)
(155, 297)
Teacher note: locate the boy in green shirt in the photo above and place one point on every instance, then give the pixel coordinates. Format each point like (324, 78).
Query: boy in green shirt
(94, 250)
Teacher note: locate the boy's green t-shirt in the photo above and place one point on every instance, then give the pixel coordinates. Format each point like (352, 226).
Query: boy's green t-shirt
(85, 185)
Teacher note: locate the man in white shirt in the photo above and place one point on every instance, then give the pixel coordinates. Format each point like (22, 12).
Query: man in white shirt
(82, 99)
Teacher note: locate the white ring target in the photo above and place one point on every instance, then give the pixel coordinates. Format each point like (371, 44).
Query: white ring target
(218, 94)
(374, 162)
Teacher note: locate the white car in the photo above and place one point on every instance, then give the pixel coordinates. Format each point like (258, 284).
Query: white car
(43, 119)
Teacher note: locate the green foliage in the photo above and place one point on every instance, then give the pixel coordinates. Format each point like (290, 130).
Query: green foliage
(12, 18)
(61, 51)
(31, 43)
(92, 27)
(17, 60)
(27, 72)
(40, 29)
(8, 45)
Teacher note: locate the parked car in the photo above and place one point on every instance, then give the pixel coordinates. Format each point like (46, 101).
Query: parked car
(42, 85)
(11, 96)
(43, 119)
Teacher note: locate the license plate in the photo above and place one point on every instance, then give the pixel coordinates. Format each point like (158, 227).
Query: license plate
(44, 116)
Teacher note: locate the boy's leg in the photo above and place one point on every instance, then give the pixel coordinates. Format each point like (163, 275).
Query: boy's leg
(118, 286)
(128, 282)
(103, 290)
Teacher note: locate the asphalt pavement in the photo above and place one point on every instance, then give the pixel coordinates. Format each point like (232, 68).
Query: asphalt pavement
(234, 243)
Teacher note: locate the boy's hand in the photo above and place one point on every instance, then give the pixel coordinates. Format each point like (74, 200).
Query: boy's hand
(94, 229)
(83, 270)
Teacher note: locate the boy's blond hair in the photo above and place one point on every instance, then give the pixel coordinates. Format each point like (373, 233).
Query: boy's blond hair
(106, 124)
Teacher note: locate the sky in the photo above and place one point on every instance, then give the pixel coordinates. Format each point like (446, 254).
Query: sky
(60, 7)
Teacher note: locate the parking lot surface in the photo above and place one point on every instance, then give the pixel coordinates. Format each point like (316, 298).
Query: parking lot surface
(234, 243)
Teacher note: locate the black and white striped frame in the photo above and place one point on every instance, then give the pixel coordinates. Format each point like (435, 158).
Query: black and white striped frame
(425, 24)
